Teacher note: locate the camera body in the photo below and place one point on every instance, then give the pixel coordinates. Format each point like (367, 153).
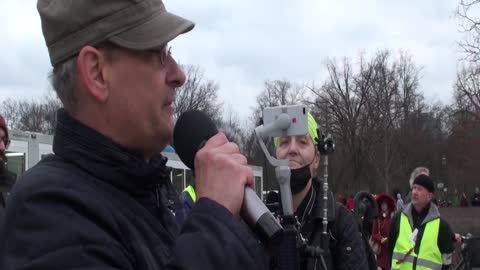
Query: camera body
(298, 120)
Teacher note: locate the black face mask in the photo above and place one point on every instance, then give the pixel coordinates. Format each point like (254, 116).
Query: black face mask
(299, 179)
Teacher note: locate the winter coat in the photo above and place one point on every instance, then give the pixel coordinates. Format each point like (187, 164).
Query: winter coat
(381, 229)
(97, 205)
(346, 248)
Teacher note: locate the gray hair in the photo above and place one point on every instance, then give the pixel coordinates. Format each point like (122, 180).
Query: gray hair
(63, 80)
(416, 172)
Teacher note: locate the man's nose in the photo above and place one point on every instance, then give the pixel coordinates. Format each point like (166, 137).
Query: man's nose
(292, 147)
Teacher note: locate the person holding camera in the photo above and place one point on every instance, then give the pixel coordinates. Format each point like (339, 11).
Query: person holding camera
(346, 248)
(104, 200)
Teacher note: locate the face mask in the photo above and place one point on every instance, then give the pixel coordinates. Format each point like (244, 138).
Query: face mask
(299, 179)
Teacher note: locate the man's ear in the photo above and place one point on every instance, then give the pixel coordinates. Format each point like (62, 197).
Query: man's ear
(92, 67)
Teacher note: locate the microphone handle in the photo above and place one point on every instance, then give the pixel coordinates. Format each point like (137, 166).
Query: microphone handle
(260, 219)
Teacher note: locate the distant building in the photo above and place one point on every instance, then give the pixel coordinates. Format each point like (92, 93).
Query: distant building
(28, 148)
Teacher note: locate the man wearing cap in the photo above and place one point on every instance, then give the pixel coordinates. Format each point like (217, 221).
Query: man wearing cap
(419, 238)
(7, 179)
(104, 200)
(346, 249)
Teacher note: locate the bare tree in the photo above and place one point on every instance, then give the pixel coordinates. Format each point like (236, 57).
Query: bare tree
(198, 93)
(344, 94)
(467, 12)
(389, 104)
(364, 107)
(467, 90)
(31, 115)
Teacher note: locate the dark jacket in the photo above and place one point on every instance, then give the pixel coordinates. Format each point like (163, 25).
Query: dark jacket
(96, 205)
(446, 237)
(7, 180)
(346, 248)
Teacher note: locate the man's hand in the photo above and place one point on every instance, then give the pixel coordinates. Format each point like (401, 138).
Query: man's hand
(221, 173)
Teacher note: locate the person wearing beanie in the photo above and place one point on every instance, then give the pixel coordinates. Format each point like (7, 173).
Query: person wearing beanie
(416, 172)
(346, 248)
(104, 199)
(419, 238)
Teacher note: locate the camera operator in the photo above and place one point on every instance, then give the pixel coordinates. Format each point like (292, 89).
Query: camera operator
(346, 248)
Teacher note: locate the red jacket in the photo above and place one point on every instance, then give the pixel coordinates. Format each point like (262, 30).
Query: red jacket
(381, 229)
(350, 204)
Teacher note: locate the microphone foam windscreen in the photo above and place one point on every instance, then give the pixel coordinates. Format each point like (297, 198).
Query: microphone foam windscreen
(192, 129)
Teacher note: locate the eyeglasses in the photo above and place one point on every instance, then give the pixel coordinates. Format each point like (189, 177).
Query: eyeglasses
(167, 52)
(6, 141)
(163, 54)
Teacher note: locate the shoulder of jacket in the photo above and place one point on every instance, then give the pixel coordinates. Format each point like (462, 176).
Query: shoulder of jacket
(51, 173)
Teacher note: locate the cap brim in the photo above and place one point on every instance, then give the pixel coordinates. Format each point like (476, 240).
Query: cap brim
(156, 32)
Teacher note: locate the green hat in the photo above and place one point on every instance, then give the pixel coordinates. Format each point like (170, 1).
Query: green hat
(69, 25)
(312, 130)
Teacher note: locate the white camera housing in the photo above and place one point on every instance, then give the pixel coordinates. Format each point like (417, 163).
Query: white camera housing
(278, 117)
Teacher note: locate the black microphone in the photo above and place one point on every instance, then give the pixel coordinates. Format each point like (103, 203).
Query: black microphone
(192, 130)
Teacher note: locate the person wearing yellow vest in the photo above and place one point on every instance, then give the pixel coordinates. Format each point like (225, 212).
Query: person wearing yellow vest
(187, 200)
(419, 238)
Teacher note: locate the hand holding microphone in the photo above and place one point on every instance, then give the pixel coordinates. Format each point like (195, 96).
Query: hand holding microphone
(222, 173)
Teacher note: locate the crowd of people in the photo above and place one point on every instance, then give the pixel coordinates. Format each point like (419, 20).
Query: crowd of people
(104, 199)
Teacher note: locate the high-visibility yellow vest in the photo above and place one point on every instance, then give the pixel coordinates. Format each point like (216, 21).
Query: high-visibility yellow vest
(429, 255)
(191, 192)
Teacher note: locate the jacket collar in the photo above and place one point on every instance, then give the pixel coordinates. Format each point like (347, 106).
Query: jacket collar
(432, 214)
(93, 152)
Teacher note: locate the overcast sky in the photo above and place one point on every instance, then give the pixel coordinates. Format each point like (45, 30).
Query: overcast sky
(240, 44)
